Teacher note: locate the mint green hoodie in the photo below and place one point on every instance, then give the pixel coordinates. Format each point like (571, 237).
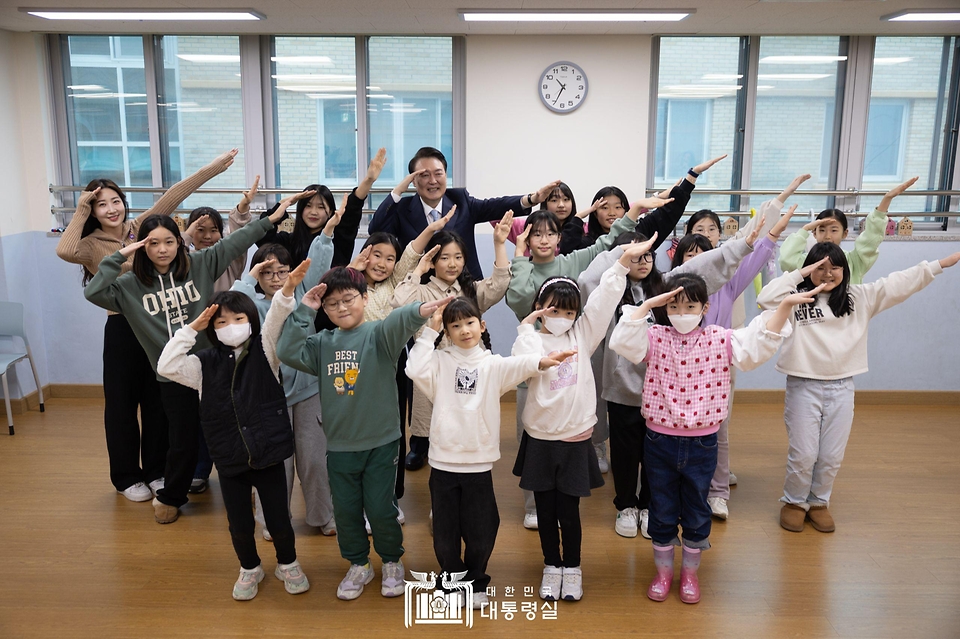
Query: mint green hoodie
(357, 372)
(156, 312)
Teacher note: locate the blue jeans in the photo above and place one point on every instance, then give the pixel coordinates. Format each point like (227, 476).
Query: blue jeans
(680, 470)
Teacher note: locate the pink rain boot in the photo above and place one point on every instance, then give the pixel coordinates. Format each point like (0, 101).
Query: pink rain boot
(689, 584)
(660, 586)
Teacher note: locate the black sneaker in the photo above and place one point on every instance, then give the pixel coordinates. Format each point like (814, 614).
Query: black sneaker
(414, 460)
(197, 486)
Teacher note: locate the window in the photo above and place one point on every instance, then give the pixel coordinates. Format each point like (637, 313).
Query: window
(697, 92)
(905, 127)
(315, 93)
(799, 84)
(201, 112)
(409, 103)
(107, 111)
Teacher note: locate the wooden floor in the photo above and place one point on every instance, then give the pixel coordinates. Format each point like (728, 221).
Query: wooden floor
(78, 560)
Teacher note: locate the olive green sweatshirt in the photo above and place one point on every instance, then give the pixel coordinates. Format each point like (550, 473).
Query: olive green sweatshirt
(155, 312)
(356, 370)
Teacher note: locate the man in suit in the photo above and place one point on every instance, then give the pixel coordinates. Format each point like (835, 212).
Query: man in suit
(407, 217)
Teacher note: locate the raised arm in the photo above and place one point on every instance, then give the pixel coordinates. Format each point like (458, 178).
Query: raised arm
(717, 267)
(103, 289)
(70, 248)
(423, 363)
(176, 363)
(298, 347)
(895, 288)
(183, 189)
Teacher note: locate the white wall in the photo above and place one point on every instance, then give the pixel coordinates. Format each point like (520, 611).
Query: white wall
(515, 144)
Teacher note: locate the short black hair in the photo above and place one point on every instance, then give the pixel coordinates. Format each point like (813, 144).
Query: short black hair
(694, 287)
(840, 302)
(278, 251)
(236, 302)
(836, 214)
(210, 212)
(540, 220)
(344, 278)
(426, 152)
(699, 215)
(561, 293)
(382, 237)
(686, 244)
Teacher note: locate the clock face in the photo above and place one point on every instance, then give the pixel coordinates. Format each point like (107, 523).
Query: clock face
(563, 87)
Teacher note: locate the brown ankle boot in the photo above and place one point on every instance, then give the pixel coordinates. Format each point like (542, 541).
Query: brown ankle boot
(821, 519)
(163, 513)
(791, 517)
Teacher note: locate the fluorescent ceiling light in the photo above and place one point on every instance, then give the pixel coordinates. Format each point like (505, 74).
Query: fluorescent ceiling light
(209, 58)
(802, 59)
(880, 62)
(923, 15)
(793, 76)
(163, 16)
(548, 15)
(303, 60)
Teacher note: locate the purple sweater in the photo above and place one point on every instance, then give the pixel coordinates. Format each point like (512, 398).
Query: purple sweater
(720, 312)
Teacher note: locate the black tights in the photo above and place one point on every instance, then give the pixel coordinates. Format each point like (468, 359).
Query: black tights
(554, 506)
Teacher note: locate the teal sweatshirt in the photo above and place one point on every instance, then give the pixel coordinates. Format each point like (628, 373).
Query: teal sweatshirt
(356, 370)
(156, 312)
(297, 386)
(527, 277)
(866, 248)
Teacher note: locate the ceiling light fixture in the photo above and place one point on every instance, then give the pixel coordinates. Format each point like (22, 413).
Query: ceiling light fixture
(557, 15)
(141, 16)
(922, 15)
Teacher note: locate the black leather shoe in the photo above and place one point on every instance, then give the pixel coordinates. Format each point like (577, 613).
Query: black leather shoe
(414, 460)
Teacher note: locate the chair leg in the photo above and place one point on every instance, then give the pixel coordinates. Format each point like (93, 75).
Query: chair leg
(6, 401)
(36, 377)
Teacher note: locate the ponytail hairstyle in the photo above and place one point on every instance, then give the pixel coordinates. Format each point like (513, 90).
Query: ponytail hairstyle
(274, 251)
(560, 292)
(302, 236)
(564, 190)
(652, 284)
(593, 224)
(840, 302)
(142, 266)
(442, 239)
(92, 223)
(462, 308)
(235, 302)
(687, 243)
(836, 214)
(699, 215)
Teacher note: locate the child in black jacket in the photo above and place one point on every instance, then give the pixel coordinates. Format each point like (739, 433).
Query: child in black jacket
(243, 414)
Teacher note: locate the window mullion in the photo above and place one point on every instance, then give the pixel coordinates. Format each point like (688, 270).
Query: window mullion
(653, 113)
(151, 53)
(853, 123)
(362, 121)
(458, 108)
(745, 120)
(251, 108)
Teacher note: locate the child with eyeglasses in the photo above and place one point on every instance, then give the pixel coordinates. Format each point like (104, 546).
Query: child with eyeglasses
(355, 365)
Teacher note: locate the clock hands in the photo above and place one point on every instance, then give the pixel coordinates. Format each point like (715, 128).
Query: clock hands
(562, 87)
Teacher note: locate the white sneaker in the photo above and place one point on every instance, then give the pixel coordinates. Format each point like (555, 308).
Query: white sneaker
(644, 522)
(156, 485)
(601, 450)
(400, 517)
(137, 492)
(352, 585)
(572, 588)
(530, 521)
(718, 507)
(294, 581)
(627, 522)
(266, 534)
(391, 579)
(551, 584)
(733, 479)
(329, 529)
(480, 599)
(246, 587)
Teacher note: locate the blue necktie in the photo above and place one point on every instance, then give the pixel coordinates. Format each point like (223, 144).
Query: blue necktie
(434, 215)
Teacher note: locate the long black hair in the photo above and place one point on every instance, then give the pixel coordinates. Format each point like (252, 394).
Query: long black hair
(462, 308)
(236, 302)
(686, 244)
(143, 268)
(442, 239)
(593, 224)
(302, 235)
(92, 223)
(562, 189)
(840, 302)
(542, 220)
(652, 284)
(837, 215)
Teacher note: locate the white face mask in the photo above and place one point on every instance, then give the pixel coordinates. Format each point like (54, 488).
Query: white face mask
(685, 323)
(234, 334)
(557, 325)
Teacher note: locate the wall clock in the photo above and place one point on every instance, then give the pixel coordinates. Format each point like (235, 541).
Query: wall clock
(563, 87)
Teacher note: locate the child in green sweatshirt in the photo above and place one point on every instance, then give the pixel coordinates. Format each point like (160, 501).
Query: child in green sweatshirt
(356, 367)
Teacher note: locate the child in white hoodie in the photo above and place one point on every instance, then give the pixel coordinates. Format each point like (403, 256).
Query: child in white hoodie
(465, 381)
(556, 460)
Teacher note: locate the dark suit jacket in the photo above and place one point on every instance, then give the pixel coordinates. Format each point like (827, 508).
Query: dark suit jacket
(406, 219)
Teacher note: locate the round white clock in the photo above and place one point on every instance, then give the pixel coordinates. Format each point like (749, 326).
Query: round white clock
(562, 87)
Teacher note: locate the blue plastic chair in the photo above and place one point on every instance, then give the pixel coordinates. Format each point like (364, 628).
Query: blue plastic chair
(11, 325)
